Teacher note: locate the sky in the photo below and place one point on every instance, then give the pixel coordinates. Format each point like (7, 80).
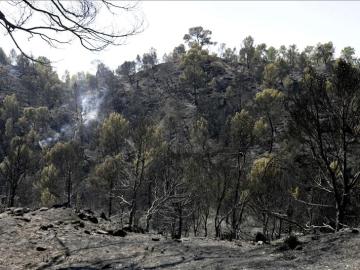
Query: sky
(275, 23)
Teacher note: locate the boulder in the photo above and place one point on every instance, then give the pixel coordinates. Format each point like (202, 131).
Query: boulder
(46, 227)
(61, 205)
(292, 241)
(260, 237)
(103, 216)
(93, 219)
(26, 219)
(88, 215)
(39, 248)
(118, 232)
(19, 211)
(82, 216)
(134, 229)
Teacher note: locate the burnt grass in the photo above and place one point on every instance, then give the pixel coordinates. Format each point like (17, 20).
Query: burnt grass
(60, 239)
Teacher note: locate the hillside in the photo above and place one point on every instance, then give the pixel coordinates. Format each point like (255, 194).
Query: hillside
(60, 239)
(198, 144)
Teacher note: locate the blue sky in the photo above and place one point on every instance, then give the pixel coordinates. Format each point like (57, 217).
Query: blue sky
(274, 23)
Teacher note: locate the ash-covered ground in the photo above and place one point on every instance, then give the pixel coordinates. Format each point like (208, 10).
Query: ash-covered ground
(65, 239)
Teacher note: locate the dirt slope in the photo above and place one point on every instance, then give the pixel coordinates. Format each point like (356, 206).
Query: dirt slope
(60, 239)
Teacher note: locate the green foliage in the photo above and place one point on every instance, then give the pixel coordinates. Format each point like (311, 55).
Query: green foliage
(271, 54)
(152, 151)
(247, 52)
(38, 118)
(113, 133)
(348, 54)
(199, 133)
(15, 166)
(149, 59)
(127, 69)
(10, 108)
(48, 185)
(65, 161)
(242, 126)
(263, 168)
(147, 142)
(198, 36)
(324, 53)
(110, 171)
(269, 98)
(270, 75)
(194, 74)
(260, 128)
(47, 199)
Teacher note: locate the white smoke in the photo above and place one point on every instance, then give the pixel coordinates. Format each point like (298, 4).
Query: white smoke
(65, 131)
(90, 105)
(49, 140)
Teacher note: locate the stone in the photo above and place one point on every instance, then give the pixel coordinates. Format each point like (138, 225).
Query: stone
(118, 232)
(42, 209)
(75, 222)
(88, 211)
(26, 219)
(46, 227)
(260, 237)
(101, 232)
(103, 216)
(82, 216)
(93, 219)
(292, 242)
(61, 205)
(19, 211)
(39, 248)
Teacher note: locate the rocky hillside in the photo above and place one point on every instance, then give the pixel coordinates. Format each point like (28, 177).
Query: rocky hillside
(62, 238)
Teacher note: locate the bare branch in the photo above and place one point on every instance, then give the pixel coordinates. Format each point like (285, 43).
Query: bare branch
(75, 20)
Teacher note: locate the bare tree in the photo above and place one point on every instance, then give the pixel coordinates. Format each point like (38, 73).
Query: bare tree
(325, 115)
(60, 22)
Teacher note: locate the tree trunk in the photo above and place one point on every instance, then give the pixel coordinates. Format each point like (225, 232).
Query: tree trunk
(132, 212)
(111, 187)
(234, 221)
(69, 189)
(148, 218)
(110, 204)
(205, 228)
(280, 228)
(340, 215)
(179, 232)
(12, 197)
(218, 220)
(272, 133)
(195, 96)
